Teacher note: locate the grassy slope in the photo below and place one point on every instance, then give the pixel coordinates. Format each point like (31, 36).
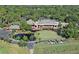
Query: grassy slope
(45, 34)
(68, 47)
(72, 46)
(7, 48)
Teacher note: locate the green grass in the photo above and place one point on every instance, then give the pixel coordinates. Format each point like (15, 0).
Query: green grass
(47, 34)
(71, 46)
(68, 48)
(7, 48)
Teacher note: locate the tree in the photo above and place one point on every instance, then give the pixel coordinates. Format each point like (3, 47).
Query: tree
(71, 31)
(71, 19)
(24, 25)
(32, 37)
(18, 38)
(25, 38)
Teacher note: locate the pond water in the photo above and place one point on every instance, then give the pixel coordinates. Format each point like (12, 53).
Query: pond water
(31, 37)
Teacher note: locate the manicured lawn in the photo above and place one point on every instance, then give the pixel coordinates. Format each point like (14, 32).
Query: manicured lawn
(47, 34)
(7, 48)
(68, 47)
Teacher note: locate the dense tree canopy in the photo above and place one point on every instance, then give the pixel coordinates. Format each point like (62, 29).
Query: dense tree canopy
(70, 14)
(70, 31)
(16, 13)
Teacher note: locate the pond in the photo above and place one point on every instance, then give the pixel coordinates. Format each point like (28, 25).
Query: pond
(30, 36)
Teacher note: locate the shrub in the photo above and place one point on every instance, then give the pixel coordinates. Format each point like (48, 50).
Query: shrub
(18, 38)
(25, 38)
(22, 43)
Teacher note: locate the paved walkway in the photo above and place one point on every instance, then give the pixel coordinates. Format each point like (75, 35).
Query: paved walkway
(31, 51)
(30, 46)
